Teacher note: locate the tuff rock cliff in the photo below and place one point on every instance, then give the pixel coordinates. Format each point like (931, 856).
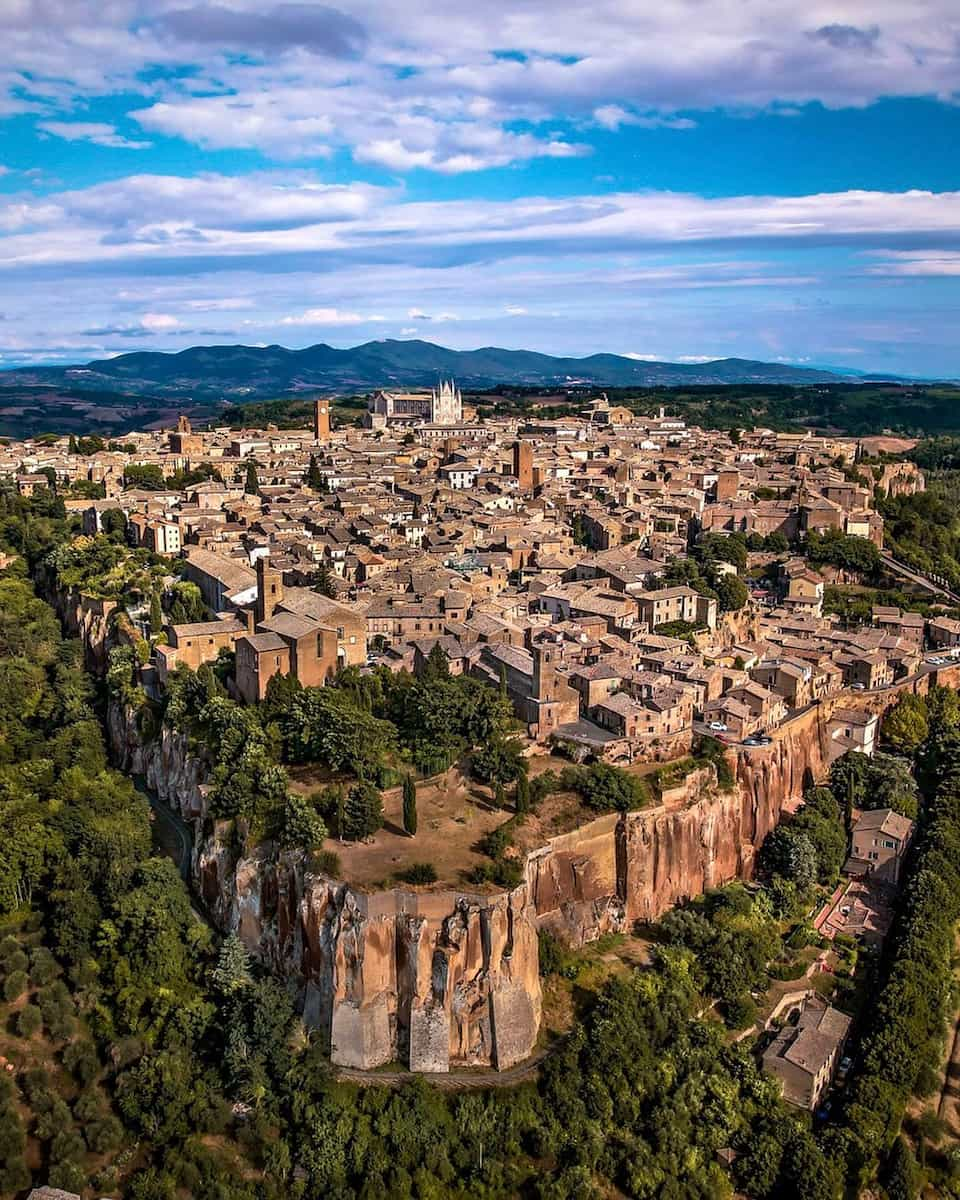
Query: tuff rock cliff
(447, 977)
(433, 979)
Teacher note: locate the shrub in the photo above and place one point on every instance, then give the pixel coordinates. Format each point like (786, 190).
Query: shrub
(15, 985)
(80, 1059)
(739, 1013)
(29, 1021)
(43, 967)
(786, 971)
(17, 961)
(326, 862)
(554, 957)
(420, 872)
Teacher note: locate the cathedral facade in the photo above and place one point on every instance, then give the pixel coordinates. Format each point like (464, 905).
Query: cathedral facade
(442, 405)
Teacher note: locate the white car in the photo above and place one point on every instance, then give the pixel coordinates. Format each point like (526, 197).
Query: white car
(717, 727)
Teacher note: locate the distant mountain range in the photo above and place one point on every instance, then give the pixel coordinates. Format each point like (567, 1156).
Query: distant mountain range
(205, 373)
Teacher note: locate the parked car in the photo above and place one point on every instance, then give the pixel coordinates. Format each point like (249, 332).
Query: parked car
(858, 687)
(718, 726)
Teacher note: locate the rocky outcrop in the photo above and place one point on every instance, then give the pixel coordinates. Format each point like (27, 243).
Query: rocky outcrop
(87, 618)
(435, 979)
(447, 977)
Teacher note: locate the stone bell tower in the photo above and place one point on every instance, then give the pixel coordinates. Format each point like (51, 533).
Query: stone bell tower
(321, 420)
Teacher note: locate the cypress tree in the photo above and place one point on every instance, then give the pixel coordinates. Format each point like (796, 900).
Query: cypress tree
(325, 585)
(499, 796)
(523, 793)
(314, 479)
(156, 614)
(72, 445)
(252, 485)
(409, 805)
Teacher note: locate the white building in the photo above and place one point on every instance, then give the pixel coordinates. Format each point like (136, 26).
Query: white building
(442, 405)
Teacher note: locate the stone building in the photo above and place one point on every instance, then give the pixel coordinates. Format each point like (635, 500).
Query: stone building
(442, 405)
(804, 1056)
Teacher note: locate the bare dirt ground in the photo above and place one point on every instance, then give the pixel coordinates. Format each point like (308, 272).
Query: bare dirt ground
(453, 813)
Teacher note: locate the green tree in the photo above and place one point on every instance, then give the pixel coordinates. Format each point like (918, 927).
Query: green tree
(732, 593)
(901, 1174)
(302, 826)
(790, 853)
(890, 784)
(144, 476)
(251, 484)
(232, 971)
(324, 581)
(15, 985)
(156, 614)
(436, 667)
(113, 522)
(29, 1021)
(315, 479)
(522, 797)
(409, 805)
(363, 812)
(905, 727)
(930, 1130)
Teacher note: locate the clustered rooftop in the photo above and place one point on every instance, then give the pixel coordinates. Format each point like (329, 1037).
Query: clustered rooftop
(531, 551)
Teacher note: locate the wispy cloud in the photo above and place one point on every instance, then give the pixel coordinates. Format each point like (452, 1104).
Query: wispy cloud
(98, 133)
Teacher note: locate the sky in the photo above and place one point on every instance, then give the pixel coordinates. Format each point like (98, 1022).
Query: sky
(685, 180)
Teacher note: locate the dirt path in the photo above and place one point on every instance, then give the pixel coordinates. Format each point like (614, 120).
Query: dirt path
(456, 1081)
(949, 1106)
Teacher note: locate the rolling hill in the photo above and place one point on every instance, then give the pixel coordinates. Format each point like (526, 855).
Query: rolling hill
(238, 372)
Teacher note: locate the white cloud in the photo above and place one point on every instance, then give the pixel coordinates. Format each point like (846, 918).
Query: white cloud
(613, 116)
(159, 322)
(92, 131)
(330, 316)
(515, 310)
(658, 268)
(431, 88)
(271, 217)
(918, 263)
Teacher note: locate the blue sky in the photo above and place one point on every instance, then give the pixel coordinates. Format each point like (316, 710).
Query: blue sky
(766, 180)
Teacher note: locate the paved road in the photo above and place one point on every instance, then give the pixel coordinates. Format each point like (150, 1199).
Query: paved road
(924, 581)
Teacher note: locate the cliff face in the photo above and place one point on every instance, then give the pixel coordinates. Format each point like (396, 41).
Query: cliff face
(87, 618)
(434, 979)
(606, 875)
(447, 978)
